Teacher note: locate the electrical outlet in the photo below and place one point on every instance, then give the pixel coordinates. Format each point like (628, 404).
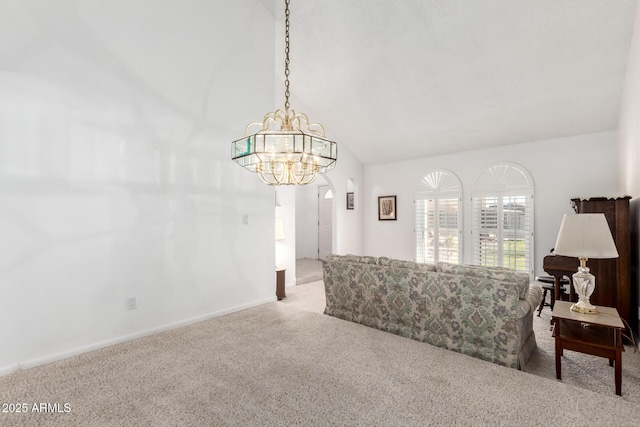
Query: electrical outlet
(132, 303)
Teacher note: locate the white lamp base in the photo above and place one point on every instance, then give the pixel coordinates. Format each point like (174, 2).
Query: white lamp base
(584, 308)
(584, 283)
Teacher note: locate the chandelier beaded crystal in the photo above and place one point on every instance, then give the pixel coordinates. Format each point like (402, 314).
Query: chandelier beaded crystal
(285, 148)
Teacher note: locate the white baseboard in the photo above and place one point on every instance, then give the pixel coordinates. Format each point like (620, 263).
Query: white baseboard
(6, 370)
(27, 364)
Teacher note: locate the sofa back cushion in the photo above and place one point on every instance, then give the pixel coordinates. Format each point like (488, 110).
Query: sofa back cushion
(361, 259)
(399, 263)
(521, 280)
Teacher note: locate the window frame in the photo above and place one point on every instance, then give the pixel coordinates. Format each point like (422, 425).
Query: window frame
(503, 181)
(437, 186)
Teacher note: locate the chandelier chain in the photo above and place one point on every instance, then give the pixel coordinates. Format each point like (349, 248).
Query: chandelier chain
(286, 60)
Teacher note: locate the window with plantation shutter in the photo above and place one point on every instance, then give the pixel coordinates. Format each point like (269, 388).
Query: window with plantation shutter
(502, 230)
(438, 218)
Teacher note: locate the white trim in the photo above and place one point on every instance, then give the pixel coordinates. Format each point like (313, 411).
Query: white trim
(27, 364)
(9, 369)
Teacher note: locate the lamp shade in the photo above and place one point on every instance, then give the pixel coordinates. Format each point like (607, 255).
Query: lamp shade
(585, 236)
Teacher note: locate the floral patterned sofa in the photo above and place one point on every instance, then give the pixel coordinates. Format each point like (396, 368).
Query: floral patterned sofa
(482, 312)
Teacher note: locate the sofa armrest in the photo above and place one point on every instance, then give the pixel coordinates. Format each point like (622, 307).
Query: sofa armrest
(534, 296)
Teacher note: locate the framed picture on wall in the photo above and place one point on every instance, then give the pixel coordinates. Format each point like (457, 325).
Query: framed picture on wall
(387, 208)
(350, 201)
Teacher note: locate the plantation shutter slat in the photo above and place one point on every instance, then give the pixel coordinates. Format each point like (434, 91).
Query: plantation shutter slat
(503, 231)
(448, 230)
(421, 223)
(517, 232)
(486, 236)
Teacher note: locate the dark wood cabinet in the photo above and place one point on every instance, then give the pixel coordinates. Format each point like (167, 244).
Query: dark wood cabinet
(613, 276)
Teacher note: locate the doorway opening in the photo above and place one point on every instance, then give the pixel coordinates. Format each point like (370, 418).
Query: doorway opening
(314, 229)
(325, 221)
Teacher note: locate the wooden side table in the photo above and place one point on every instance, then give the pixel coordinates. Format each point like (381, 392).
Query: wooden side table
(597, 334)
(280, 283)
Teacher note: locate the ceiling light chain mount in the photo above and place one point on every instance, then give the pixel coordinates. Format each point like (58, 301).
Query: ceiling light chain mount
(286, 149)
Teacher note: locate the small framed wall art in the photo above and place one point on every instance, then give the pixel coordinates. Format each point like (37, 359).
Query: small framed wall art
(350, 201)
(387, 208)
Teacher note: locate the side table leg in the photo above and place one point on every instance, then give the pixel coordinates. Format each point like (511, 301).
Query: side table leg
(558, 360)
(618, 369)
(558, 351)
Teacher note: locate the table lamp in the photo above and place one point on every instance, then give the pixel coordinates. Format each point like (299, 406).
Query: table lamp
(585, 236)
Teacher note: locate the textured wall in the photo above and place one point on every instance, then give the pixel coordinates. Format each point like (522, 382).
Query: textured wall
(115, 177)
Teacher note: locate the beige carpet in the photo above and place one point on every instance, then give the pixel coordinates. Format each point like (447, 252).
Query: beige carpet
(284, 364)
(308, 270)
(581, 370)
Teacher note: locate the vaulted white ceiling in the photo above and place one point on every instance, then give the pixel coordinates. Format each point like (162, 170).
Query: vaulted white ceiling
(399, 79)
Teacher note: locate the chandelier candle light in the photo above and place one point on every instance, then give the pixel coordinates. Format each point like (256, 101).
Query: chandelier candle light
(287, 149)
(585, 236)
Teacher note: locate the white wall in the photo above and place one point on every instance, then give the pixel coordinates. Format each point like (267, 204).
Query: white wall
(286, 249)
(629, 134)
(562, 169)
(115, 177)
(348, 227)
(629, 125)
(347, 224)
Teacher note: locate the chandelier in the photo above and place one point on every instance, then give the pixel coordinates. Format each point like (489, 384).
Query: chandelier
(285, 149)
